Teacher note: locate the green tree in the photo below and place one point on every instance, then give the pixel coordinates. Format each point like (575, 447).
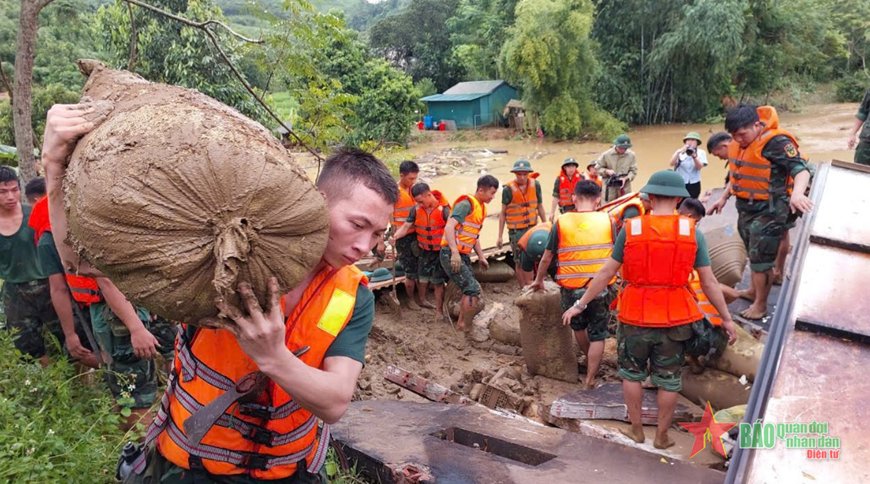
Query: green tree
(478, 29)
(163, 50)
(417, 41)
(550, 57)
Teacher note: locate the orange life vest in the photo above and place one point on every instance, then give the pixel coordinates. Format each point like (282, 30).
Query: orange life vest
(522, 212)
(468, 232)
(566, 187)
(84, 289)
(703, 302)
(430, 225)
(749, 170)
(598, 180)
(658, 259)
(402, 208)
(616, 208)
(523, 243)
(585, 244)
(271, 437)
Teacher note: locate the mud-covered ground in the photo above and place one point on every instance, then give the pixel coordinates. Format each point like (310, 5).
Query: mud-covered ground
(424, 344)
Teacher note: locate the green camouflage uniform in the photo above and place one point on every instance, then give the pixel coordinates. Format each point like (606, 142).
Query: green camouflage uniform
(407, 251)
(595, 317)
(429, 267)
(465, 277)
(127, 372)
(26, 293)
(862, 151)
(664, 348)
(762, 223)
(29, 312)
(709, 341)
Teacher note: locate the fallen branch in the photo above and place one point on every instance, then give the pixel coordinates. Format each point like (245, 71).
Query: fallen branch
(204, 26)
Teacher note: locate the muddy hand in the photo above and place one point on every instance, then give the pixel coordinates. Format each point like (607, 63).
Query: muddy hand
(455, 262)
(728, 326)
(144, 344)
(261, 335)
(716, 207)
(568, 315)
(65, 124)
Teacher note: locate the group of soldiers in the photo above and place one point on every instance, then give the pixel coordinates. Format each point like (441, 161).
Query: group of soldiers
(253, 402)
(94, 323)
(639, 253)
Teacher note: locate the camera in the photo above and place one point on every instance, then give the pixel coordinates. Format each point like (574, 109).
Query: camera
(690, 151)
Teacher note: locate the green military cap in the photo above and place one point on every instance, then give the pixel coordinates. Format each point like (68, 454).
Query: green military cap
(537, 244)
(692, 135)
(570, 161)
(666, 183)
(522, 166)
(381, 274)
(622, 141)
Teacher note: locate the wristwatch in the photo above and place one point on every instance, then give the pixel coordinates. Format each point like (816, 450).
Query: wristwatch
(581, 307)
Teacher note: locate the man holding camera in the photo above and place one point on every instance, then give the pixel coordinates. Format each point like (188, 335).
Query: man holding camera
(688, 161)
(618, 166)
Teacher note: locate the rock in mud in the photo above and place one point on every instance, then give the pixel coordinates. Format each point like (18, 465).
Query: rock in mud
(548, 346)
(178, 198)
(505, 325)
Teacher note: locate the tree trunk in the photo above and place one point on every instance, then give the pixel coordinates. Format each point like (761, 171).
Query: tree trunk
(22, 95)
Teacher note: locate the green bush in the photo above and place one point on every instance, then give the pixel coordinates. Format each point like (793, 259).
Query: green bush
(851, 88)
(54, 427)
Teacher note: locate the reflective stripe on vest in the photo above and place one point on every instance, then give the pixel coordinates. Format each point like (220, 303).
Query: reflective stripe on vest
(659, 256)
(521, 213)
(430, 225)
(468, 231)
(84, 289)
(585, 244)
(269, 437)
(402, 209)
(566, 188)
(749, 169)
(704, 303)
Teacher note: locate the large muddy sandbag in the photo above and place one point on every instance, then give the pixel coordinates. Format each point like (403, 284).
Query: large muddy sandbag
(727, 254)
(721, 389)
(548, 346)
(741, 358)
(178, 198)
(498, 272)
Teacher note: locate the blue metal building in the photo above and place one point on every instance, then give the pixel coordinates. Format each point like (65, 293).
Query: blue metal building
(471, 104)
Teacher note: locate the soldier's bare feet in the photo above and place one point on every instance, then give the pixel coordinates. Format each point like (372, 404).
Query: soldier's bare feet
(753, 313)
(663, 442)
(635, 434)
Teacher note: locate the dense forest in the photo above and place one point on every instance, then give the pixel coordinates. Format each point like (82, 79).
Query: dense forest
(350, 71)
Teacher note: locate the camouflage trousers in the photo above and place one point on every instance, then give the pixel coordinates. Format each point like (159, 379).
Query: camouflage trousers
(407, 251)
(129, 376)
(658, 352)
(429, 267)
(595, 317)
(464, 278)
(514, 236)
(30, 314)
(708, 341)
(862, 152)
(762, 225)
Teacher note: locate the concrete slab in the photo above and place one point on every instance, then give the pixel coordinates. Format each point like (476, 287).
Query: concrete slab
(460, 444)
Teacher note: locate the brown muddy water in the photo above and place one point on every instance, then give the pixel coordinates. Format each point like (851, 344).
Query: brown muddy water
(822, 131)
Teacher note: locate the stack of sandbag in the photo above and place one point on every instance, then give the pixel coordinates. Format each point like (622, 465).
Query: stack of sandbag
(178, 198)
(498, 271)
(730, 379)
(548, 346)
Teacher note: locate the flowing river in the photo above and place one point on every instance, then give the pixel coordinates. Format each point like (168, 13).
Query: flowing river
(822, 131)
